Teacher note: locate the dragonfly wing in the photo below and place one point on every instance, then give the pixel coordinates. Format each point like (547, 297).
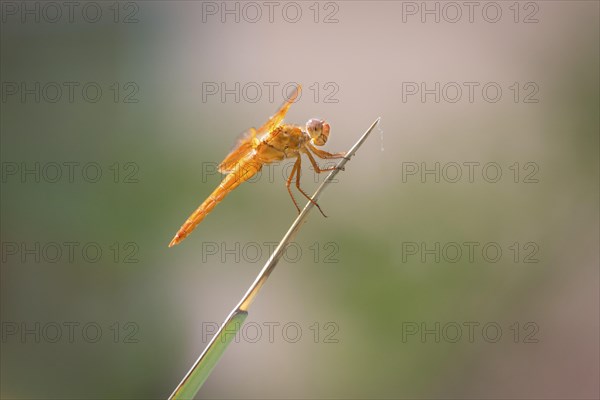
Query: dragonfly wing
(241, 149)
(277, 118)
(246, 144)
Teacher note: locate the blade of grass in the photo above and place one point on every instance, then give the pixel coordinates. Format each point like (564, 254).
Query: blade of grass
(197, 375)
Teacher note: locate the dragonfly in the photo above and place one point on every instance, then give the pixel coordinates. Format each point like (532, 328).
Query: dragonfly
(272, 142)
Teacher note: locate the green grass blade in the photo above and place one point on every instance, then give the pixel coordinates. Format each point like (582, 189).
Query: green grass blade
(194, 380)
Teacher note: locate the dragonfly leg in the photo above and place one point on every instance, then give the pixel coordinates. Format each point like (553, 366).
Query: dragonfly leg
(300, 189)
(324, 154)
(289, 182)
(318, 169)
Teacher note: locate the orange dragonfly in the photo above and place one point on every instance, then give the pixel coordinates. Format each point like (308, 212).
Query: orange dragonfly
(272, 142)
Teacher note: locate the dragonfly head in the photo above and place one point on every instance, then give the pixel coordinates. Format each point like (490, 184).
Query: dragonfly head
(318, 131)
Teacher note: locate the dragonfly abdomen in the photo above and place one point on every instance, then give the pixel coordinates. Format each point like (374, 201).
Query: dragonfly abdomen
(244, 170)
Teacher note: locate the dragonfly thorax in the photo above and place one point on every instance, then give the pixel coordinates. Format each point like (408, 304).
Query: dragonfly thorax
(283, 142)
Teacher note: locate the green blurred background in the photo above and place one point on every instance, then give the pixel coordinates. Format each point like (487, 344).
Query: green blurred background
(158, 127)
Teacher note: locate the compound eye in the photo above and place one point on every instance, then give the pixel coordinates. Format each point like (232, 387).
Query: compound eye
(314, 127)
(315, 124)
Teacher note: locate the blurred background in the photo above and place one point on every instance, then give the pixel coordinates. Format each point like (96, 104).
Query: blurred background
(460, 254)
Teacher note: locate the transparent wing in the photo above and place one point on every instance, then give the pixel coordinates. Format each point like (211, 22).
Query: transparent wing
(245, 143)
(242, 147)
(278, 117)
